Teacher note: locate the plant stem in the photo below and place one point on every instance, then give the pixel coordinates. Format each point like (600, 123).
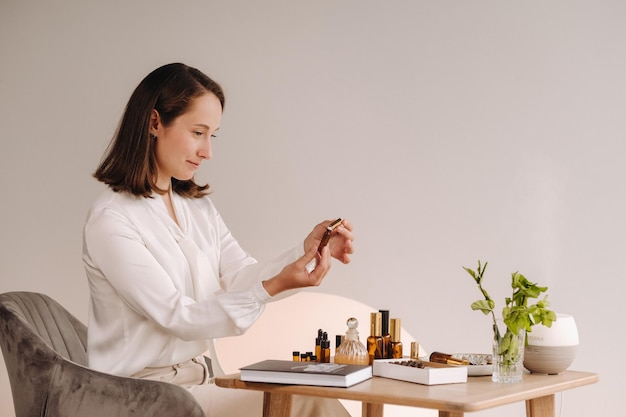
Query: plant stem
(496, 331)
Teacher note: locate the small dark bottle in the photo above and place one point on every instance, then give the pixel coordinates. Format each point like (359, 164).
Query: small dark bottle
(375, 339)
(415, 350)
(385, 333)
(318, 343)
(395, 345)
(325, 350)
(296, 356)
(321, 358)
(338, 341)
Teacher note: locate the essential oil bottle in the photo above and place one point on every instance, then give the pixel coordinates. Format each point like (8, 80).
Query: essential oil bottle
(318, 344)
(395, 344)
(325, 351)
(385, 333)
(415, 350)
(447, 359)
(375, 339)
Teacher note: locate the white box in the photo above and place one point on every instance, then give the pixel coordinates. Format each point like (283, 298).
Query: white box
(432, 374)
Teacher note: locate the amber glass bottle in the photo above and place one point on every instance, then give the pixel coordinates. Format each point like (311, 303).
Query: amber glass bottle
(325, 351)
(318, 344)
(385, 333)
(415, 350)
(375, 339)
(395, 345)
(447, 359)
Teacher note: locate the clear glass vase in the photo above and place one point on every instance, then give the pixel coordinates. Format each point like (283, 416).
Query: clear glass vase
(508, 355)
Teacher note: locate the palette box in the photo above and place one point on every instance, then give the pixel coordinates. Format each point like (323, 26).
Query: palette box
(432, 373)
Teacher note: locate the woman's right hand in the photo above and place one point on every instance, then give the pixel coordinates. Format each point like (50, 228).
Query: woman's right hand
(297, 275)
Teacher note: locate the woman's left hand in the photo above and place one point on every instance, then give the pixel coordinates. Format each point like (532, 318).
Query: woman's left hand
(340, 243)
(299, 274)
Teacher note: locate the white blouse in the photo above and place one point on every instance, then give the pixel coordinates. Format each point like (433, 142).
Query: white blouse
(159, 289)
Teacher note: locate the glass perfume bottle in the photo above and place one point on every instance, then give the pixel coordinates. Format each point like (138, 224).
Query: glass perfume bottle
(351, 350)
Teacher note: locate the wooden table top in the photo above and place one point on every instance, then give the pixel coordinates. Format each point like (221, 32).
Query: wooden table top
(479, 393)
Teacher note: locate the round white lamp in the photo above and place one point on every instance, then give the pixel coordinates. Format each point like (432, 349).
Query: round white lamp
(551, 350)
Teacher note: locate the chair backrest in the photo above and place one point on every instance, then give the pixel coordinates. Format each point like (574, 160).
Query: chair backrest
(35, 332)
(44, 350)
(49, 321)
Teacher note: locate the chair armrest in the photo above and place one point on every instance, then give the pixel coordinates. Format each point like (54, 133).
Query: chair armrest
(79, 391)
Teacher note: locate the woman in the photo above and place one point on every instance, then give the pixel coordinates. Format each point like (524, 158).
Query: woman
(165, 274)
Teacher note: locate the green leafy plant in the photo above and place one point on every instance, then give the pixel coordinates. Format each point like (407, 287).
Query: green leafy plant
(517, 314)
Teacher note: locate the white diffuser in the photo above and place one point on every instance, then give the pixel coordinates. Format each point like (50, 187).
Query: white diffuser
(551, 350)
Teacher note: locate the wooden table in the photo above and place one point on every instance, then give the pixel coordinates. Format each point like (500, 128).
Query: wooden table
(452, 400)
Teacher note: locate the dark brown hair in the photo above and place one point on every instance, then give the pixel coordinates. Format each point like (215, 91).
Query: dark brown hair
(129, 163)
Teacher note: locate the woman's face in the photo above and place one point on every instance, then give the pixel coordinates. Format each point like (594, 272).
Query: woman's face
(186, 142)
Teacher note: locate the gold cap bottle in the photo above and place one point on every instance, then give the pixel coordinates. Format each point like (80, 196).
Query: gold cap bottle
(395, 329)
(376, 324)
(395, 345)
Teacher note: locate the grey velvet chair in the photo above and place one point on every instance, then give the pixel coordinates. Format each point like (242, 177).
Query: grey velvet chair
(44, 350)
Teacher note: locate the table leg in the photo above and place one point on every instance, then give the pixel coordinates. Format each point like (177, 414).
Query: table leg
(540, 407)
(372, 410)
(276, 404)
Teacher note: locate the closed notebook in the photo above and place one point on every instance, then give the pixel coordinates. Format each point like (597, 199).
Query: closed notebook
(306, 373)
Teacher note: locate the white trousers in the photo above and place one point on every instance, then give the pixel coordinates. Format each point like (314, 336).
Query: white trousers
(225, 402)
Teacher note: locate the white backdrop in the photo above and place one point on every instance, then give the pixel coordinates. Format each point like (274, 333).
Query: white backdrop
(446, 131)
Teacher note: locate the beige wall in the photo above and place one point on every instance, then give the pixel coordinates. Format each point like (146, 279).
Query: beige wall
(447, 131)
